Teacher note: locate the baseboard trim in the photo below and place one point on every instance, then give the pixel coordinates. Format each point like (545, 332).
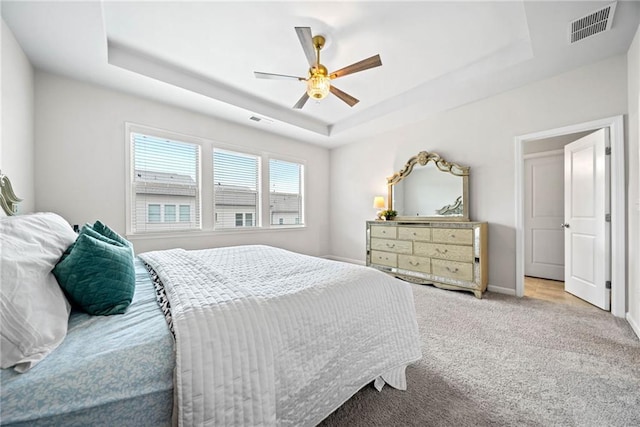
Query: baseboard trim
(349, 260)
(634, 325)
(501, 290)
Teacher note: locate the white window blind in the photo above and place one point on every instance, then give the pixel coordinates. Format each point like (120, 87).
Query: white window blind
(165, 173)
(286, 183)
(236, 187)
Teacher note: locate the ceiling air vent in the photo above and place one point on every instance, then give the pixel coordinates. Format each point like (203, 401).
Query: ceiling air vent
(594, 23)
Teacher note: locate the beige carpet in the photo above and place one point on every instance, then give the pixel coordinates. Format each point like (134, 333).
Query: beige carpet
(506, 361)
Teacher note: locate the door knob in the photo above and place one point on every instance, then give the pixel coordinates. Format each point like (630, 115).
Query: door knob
(565, 225)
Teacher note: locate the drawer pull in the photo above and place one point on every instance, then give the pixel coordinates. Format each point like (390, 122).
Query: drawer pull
(443, 251)
(414, 233)
(415, 264)
(452, 270)
(453, 236)
(391, 245)
(384, 231)
(385, 258)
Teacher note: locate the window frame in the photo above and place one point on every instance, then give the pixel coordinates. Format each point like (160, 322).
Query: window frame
(131, 128)
(205, 188)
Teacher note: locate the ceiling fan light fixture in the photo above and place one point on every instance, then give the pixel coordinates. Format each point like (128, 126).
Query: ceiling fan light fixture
(319, 80)
(318, 86)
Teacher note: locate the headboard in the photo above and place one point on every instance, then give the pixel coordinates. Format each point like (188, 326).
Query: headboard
(8, 199)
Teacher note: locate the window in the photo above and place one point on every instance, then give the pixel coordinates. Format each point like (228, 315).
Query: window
(185, 213)
(153, 213)
(165, 174)
(242, 189)
(169, 213)
(285, 192)
(236, 188)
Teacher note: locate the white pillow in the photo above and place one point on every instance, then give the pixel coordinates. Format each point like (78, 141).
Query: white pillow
(33, 309)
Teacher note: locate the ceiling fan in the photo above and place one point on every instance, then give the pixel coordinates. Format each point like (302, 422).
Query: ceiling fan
(319, 79)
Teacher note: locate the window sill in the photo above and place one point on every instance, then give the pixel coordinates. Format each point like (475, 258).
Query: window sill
(207, 233)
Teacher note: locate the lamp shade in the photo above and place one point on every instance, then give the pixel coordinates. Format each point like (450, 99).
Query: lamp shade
(378, 202)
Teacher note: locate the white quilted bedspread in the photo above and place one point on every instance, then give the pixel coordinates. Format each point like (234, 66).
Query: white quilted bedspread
(270, 337)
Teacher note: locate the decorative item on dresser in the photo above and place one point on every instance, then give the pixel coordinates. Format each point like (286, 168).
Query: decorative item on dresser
(378, 203)
(431, 241)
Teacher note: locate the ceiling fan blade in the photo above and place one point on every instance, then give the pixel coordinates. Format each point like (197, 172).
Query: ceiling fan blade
(301, 101)
(344, 96)
(365, 64)
(272, 76)
(306, 40)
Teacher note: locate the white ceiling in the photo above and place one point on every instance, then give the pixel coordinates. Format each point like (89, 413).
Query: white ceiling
(202, 55)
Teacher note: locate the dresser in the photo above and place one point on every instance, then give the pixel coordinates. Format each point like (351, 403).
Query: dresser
(449, 255)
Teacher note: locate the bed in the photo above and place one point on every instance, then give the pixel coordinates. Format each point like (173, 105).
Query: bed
(259, 336)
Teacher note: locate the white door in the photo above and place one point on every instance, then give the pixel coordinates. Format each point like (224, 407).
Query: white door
(587, 234)
(544, 210)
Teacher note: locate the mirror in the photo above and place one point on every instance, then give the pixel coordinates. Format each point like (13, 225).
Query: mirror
(430, 188)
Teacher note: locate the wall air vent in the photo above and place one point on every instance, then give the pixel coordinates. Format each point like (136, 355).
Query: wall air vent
(592, 24)
(258, 119)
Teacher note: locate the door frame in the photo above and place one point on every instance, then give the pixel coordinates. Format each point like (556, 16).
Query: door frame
(618, 213)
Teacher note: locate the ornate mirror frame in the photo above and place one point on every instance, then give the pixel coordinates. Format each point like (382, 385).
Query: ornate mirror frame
(8, 199)
(423, 158)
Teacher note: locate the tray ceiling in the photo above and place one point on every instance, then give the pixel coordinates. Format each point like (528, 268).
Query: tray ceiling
(202, 55)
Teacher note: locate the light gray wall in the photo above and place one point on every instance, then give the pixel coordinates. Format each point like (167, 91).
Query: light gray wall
(16, 140)
(80, 162)
(633, 159)
(480, 135)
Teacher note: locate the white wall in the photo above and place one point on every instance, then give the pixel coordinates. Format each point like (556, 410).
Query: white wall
(479, 135)
(16, 140)
(633, 162)
(80, 162)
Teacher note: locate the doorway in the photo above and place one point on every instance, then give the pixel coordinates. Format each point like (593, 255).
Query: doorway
(536, 142)
(552, 291)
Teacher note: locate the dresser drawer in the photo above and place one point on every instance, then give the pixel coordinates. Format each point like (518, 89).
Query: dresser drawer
(442, 251)
(452, 269)
(397, 246)
(452, 235)
(414, 263)
(383, 231)
(414, 233)
(384, 258)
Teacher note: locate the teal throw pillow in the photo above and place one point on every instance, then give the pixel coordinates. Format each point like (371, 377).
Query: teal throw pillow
(88, 229)
(98, 276)
(104, 229)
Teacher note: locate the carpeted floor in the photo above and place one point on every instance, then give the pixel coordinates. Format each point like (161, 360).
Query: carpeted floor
(506, 361)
